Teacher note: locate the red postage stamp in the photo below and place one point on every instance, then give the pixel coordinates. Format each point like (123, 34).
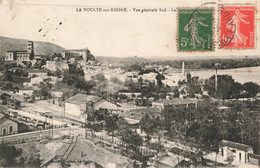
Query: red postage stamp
(237, 27)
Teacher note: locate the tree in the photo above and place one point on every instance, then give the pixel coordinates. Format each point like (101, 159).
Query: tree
(133, 140)
(159, 79)
(7, 86)
(21, 72)
(74, 78)
(34, 161)
(43, 92)
(122, 126)
(21, 162)
(100, 114)
(8, 155)
(58, 73)
(140, 83)
(116, 80)
(8, 76)
(251, 88)
(188, 76)
(111, 124)
(149, 125)
(227, 88)
(99, 77)
(27, 64)
(133, 67)
(243, 125)
(39, 64)
(17, 104)
(193, 86)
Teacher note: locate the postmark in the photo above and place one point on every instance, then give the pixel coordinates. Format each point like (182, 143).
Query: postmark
(195, 29)
(237, 27)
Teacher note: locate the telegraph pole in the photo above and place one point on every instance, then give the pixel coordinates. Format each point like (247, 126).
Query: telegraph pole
(86, 122)
(52, 127)
(49, 126)
(216, 79)
(216, 76)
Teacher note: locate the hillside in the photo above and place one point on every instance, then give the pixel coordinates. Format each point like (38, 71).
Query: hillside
(123, 60)
(40, 48)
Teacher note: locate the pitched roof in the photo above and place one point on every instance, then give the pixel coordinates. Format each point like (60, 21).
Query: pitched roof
(5, 95)
(38, 71)
(75, 50)
(177, 101)
(83, 98)
(132, 121)
(254, 156)
(184, 163)
(235, 145)
(17, 51)
(23, 52)
(1, 115)
(106, 105)
(4, 119)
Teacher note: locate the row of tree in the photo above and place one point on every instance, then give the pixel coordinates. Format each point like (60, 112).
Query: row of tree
(117, 126)
(227, 88)
(205, 127)
(210, 63)
(11, 156)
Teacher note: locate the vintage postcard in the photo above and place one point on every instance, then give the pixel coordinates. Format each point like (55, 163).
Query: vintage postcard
(127, 84)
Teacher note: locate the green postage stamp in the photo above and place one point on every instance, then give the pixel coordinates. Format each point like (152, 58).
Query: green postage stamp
(195, 29)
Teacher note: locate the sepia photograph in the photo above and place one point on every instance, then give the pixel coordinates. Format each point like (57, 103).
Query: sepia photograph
(129, 84)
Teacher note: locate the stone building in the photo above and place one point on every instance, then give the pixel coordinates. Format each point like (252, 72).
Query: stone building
(78, 53)
(57, 65)
(7, 126)
(176, 102)
(240, 152)
(82, 104)
(27, 55)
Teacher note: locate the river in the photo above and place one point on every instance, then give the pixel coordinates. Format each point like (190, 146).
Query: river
(241, 75)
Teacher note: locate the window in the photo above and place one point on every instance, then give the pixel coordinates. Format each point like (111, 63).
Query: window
(4, 131)
(11, 129)
(239, 156)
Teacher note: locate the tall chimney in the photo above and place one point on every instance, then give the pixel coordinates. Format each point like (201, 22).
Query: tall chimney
(216, 79)
(183, 71)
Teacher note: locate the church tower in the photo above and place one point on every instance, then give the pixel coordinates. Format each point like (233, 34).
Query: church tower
(30, 50)
(30, 47)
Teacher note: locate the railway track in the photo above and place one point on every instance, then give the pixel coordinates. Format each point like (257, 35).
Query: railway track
(27, 136)
(68, 151)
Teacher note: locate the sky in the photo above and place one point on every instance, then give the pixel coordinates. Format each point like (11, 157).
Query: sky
(117, 34)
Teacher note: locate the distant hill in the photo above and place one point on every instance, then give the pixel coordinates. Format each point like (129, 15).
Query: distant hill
(40, 48)
(121, 60)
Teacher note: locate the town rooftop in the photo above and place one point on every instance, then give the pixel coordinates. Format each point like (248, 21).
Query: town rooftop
(235, 145)
(83, 98)
(177, 101)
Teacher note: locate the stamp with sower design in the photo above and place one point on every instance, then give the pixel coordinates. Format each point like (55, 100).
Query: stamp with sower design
(237, 27)
(195, 29)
